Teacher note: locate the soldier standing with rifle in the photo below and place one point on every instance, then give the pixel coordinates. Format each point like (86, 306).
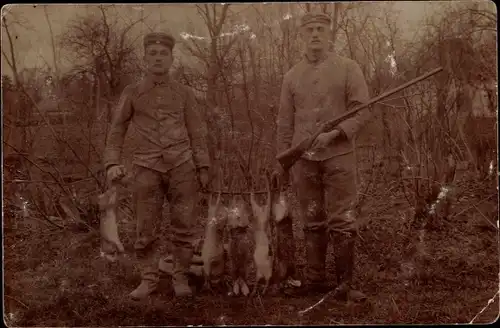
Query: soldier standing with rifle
(171, 155)
(320, 87)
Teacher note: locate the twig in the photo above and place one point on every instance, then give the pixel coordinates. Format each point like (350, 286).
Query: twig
(468, 208)
(330, 293)
(389, 105)
(29, 181)
(44, 215)
(127, 214)
(78, 314)
(491, 300)
(18, 301)
(74, 216)
(365, 220)
(395, 305)
(47, 218)
(238, 192)
(422, 178)
(59, 139)
(484, 216)
(38, 166)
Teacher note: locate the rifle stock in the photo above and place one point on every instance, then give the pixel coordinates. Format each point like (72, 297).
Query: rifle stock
(288, 157)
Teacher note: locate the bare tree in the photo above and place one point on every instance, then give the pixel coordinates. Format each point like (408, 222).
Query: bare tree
(215, 52)
(11, 57)
(11, 21)
(55, 57)
(434, 113)
(100, 45)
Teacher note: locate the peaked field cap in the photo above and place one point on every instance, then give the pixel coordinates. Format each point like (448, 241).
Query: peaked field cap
(159, 38)
(315, 18)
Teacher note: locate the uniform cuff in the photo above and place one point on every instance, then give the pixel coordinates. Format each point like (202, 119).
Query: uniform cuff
(345, 130)
(112, 157)
(342, 133)
(202, 162)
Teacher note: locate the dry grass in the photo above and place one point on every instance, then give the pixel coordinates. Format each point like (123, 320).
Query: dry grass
(445, 274)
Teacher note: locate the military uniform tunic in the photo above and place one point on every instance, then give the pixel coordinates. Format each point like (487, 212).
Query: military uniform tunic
(171, 145)
(168, 121)
(313, 93)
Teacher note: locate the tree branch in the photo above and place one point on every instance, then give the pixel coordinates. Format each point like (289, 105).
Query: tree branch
(12, 56)
(54, 55)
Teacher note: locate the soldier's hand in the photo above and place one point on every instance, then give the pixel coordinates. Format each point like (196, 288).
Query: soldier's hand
(115, 172)
(324, 139)
(203, 178)
(280, 176)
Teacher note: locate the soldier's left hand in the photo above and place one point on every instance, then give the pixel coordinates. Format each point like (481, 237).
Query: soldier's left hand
(280, 176)
(203, 178)
(324, 139)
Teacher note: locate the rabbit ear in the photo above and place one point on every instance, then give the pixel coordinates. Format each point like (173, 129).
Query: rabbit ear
(220, 178)
(252, 198)
(269, 192)
(244, 288)
(210, 199)
(213, 206)
(210, 202)
(236, 288)
(255, 206)
(275, 181)
(217, 202)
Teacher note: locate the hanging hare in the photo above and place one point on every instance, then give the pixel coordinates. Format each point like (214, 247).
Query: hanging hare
(262, 258)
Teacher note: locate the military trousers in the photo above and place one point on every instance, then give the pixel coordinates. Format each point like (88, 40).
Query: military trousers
(326, 191)
(179, 186)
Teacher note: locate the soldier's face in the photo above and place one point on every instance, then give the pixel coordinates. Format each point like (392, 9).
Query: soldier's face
(158, 58)
(316, 36)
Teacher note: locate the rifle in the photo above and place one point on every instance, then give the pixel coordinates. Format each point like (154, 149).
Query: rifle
(288, 158)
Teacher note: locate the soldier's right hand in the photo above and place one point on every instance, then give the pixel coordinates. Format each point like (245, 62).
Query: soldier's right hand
(115, 172)
(280, 176)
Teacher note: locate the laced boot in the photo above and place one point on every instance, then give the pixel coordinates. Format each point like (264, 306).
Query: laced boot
(344, 267)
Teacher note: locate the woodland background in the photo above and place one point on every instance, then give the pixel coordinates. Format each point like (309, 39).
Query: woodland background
(427, 161)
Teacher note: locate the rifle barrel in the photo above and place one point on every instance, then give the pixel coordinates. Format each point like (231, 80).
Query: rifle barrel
(386, 94)
(289, 156)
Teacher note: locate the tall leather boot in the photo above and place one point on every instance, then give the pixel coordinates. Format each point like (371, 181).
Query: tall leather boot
(344, 266)
(182, 257)
(284, 259)
(314, 274)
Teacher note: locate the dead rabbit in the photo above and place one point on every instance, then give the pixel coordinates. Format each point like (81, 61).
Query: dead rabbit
(239, 245)
(111, 246)
(284, 251)
(212, 251)
(262, 258)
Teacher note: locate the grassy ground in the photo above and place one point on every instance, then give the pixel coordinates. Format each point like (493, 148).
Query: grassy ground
(443, 274)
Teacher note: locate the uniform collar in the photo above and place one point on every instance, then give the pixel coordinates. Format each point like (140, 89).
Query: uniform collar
(150, 81)
(157, 80)
(311, 60)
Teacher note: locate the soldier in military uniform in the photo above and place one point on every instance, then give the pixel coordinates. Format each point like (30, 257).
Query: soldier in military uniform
(170, 157)
(321, 86)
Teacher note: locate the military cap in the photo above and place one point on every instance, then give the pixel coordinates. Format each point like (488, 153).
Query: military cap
(159, 38)
(315, 18)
